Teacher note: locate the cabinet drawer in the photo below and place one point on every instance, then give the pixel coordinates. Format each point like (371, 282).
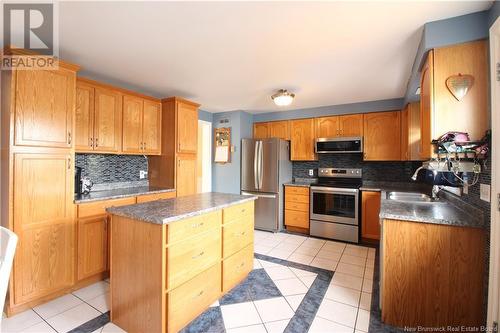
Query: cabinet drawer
(183, 229)
(237, 211)
(189, 300)
(300, 207)
(297, 219)
(290, 190)
(99, 207)
(236, 267)
(297, 198)
(155, 196)
(236, 235)
(192, 256)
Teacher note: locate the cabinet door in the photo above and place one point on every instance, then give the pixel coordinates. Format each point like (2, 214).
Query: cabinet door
(44, 107)
(132, 124)
(302, 140)
(370, 227)
(261, 130)
(414, 130)
(351, 125)
(151, 128)
(426, 98)
(279, 129)
(44, 221)
(186, 175)
(382, 133)
(108, 120)
(327, 127)
(187, 128)
(84, 117)
(405, 125)
(92, 246)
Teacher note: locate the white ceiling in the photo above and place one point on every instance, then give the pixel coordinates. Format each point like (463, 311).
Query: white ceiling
(234, 55)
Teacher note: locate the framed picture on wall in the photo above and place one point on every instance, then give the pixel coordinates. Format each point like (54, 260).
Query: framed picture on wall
(222, 145)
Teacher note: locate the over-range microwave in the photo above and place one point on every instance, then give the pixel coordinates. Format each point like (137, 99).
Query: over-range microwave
(339, 145)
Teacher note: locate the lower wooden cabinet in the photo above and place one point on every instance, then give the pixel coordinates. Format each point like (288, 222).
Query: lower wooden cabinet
(432, 275)
(186, 175)
(155, 196)
(237, 267)
(370, 211)
(297, 208)
(92, 246)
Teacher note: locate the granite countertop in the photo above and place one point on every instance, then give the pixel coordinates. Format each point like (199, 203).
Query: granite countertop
(171, 210)
(119, 193)
(300, 184)
(375, 186)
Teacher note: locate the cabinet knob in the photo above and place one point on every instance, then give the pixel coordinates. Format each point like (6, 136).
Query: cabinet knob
(69, 163)
(96, 142)
(69, 138)
(92, 142)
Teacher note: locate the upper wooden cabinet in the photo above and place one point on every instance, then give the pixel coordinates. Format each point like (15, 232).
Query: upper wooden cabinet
(44, 106)
(98, 123)
(107, 120)
(382, 136)
(405, 127)
(302, 136)
(441, 112)
(339, 126)
(187, 125)
(261, 130)
(141, 126)
(279, 129)
(186, 175)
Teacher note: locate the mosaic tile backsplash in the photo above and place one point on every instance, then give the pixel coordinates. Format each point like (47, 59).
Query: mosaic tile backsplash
(106, 168)
(372, 171)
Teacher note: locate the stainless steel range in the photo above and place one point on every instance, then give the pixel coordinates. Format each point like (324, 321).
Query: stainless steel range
(334, 204)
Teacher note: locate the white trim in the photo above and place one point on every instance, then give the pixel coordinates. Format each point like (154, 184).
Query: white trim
(494, 276)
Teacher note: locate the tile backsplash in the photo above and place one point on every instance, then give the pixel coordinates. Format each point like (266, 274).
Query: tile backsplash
(397, 171)
(106, 168)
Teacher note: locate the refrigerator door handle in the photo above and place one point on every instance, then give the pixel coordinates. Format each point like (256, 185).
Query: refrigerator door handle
(261, 162)
(258, 195)
(255, 165)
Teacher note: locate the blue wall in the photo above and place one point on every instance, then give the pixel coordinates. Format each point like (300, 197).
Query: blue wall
(226, 177)
(450, 31)
(206, 116)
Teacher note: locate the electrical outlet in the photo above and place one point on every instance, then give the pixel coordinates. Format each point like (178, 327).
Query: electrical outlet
(143, 174)
(484, 190)
(311, 172)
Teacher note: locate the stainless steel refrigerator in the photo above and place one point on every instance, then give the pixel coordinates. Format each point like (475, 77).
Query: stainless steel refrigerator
(265, 167)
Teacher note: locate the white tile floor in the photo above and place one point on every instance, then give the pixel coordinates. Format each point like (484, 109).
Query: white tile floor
(345, 307)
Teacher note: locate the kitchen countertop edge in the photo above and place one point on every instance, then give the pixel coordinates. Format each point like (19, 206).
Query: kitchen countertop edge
(122, 195)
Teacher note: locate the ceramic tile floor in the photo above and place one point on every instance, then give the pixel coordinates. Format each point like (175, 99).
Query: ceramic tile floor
(345, 306)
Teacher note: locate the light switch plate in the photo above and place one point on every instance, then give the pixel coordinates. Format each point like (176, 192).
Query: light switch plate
(484, 190)
(143, 174)
(311, 172)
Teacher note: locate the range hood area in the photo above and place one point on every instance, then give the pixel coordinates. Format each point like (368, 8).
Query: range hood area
(340, 145)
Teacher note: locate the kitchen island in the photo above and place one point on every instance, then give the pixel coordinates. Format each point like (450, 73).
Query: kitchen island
(171, 259)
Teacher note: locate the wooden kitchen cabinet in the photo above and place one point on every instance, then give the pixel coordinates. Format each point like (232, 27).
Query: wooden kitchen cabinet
(297, 208)
(92, 246)
(98, 124)
(187, 125)
(44, 107)
(141, 126)
(339, 126)
(302, 136)
(382, 136)
(176, 165)
(432, 275)
(43, 218)
(107, 120)
(279, 129)
(261, 130)
(370, 209)
(405, 128)
(414, 131)
(441, 112)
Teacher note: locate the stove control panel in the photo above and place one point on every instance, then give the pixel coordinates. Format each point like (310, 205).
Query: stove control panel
(340, 173)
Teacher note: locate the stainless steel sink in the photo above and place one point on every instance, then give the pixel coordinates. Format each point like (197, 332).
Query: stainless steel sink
(408, 197)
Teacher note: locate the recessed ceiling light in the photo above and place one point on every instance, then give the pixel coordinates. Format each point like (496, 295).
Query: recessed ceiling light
(283, 98)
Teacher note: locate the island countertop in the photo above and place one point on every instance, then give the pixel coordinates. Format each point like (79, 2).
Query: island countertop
(171, 210)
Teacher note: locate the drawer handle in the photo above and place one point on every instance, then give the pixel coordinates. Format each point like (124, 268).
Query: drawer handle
(241, 265)
(243, 210)
(198, 225)
(199, 294)
(243, 233)
(198, 255)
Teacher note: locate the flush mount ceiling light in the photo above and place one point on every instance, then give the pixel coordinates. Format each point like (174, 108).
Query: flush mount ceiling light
(283, 98)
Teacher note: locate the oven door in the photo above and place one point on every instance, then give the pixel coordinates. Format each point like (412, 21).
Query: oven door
(339, 205)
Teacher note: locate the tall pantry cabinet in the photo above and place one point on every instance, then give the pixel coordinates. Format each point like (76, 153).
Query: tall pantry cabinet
(37, 181)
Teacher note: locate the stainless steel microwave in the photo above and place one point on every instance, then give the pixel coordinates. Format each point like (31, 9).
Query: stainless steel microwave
(339, 145)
